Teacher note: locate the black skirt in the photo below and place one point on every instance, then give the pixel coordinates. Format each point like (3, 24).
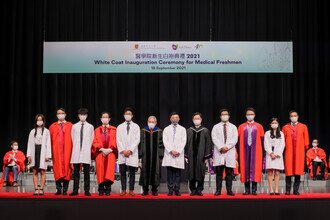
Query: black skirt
(37, 156)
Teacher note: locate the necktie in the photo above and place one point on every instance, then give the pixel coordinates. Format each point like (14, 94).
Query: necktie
(225, 132)
(174, 131)
(105, 133)
(127, 128)
(81, 134)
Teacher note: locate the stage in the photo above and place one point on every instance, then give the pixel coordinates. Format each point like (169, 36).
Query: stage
(315, 195)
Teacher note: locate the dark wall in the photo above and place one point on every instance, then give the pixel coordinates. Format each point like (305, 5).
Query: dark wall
(25, 91)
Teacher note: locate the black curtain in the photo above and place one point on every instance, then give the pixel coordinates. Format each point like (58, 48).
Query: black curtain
(26, 91)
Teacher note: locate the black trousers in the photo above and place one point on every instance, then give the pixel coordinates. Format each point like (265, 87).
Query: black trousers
(196, 186)
(105, 186)
(123, 168)
(154, 188)
(76, 176)
(288, 183)
(62, 184)
(219, 176)
(173, 179)
(248, 186)
(316, 165)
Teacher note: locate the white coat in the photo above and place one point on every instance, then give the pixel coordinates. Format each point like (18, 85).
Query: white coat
(176, 144)
(82, 155)
(46, 148)
(279, 145)
(130, 142)
(229, 158)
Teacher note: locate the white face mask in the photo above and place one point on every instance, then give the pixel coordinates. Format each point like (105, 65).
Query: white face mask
(40, 123)
(294, 119)
(61, 117)
(224, 118)
(151, 125)
(105, 121)
(314, 144)
(274, 126)
(83, 118)
(128, 117)
(197, 122)
(15, 147)
(250, 117)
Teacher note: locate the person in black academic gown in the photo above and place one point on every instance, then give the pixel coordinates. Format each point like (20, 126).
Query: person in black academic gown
(197, 150)
(151, 152)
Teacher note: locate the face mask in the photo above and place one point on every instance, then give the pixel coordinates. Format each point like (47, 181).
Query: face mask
(197, 122)
(274, 126)
(314, 144)
(128, 117)
(294, 119)
(224, 118)
(82, 117)
(151, 125)
(61, 117)
(40, 123)
(105, 121)
(250, 117)
(15, 147)
(175, 122)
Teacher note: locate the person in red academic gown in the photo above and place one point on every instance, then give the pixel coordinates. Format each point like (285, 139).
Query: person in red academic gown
(13, 164)
(316, 158)
(296, 143)
(60, 133)
(250, 136)
(105, 153)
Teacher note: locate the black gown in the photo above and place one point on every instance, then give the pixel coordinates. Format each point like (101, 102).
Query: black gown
(151, 152)
(197, 150)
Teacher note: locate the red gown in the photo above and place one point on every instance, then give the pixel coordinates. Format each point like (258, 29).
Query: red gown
(250, 171)
(61, 150)
(20, 162)
(105, 165)
(296, 142)
(311, 155)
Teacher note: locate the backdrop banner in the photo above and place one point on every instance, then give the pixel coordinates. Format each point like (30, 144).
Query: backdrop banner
(168, 57)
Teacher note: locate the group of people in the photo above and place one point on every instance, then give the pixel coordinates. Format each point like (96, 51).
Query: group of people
(72, 147)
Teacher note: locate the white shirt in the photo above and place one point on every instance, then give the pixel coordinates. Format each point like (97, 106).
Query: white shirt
(317, 159)
(278, 144)
(82, 153)
(128, 141)
(174, 141)
(229, 158)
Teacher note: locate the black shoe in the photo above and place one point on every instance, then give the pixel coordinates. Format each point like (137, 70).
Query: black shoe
(272, 193)
(246, 193)
(154, 193)
(177, 193)
(170, 193)
(58, 192)
(74, 193)
(277, 194)
(65, 193)
(87, 193)
(296, 193)
(101, 193)
(199, 193)
(217, 193)
(107, 193)
(287, 193)
(230, 193)
(254, 193)
(193, 193)
(144, 193)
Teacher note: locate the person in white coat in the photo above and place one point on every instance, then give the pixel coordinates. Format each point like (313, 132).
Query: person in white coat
(274, 144)
(39, 152)
(174, 140)
(82, 134)
(128, 139)
(224, 137)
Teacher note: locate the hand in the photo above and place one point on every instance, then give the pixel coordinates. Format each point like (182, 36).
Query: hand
(272, 155)
(224, 150)
(47, 159)
(29, 160)
(278, 156)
